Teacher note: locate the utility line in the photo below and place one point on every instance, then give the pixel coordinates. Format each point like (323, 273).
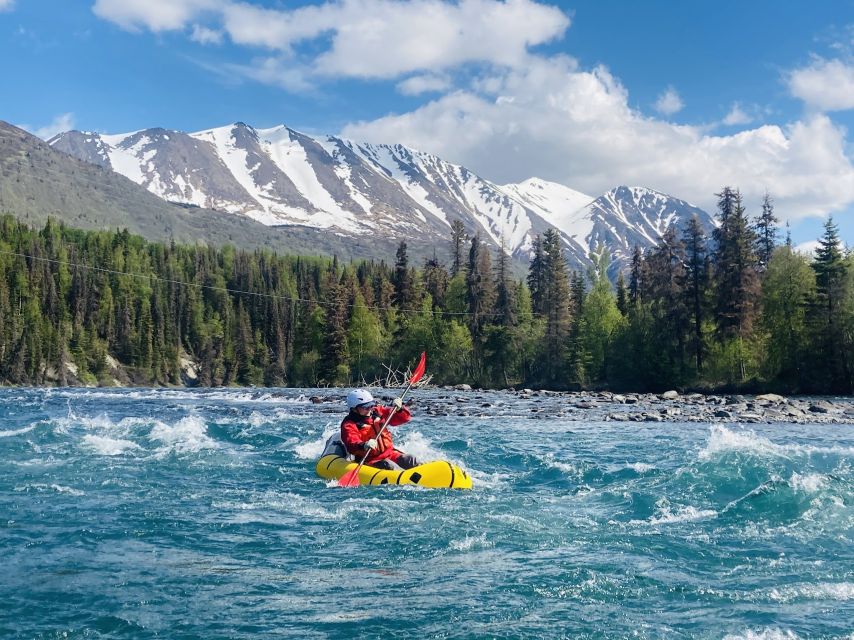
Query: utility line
(197, 285)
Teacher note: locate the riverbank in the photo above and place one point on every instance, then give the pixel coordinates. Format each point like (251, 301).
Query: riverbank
(462, 399)
(671, 406)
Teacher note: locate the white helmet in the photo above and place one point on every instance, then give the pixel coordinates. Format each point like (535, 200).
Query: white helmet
(358, 397)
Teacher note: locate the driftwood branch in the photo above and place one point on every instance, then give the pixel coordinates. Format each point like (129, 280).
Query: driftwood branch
(395, 378)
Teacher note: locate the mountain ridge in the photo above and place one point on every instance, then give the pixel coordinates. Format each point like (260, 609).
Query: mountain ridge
(279, 176)
(38, 182)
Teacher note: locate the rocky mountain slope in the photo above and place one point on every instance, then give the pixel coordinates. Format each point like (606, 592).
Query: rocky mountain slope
(281, 177)
(37, 182)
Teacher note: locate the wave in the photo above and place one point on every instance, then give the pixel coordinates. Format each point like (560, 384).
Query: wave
(420, 446)
(311, 449)
(808, 483)
(17, 432)
(471, 542)
(226, 396)
(101, 422)
(58, 488)
(109, 446)
(770, 633)
(272, 506)
(641, 467)
(723, 440)
(188, 435)
(683, 513)
(838, 591)
(264, 508)
(569, 468)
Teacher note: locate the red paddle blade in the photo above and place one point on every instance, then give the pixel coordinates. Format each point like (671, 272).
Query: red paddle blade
(419, 370)
(350, 479)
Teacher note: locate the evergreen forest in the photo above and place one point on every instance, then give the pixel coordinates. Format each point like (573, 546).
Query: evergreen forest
(740, 310)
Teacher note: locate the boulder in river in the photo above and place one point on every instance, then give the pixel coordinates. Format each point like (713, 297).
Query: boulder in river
(773, 398)
(821, 406)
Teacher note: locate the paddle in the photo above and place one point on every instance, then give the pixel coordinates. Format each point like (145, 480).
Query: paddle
(351, 478)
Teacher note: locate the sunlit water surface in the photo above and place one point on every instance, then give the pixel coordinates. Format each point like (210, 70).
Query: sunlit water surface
(197, 514)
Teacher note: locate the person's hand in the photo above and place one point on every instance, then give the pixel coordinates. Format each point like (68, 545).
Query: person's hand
(371, 444)
(398, 403)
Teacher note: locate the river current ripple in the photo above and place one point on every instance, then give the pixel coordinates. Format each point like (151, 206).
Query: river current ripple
(137, 513)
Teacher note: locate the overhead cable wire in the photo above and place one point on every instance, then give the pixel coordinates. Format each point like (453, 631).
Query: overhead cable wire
(230, 290)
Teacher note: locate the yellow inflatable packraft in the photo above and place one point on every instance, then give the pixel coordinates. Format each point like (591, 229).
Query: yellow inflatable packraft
(435, 475)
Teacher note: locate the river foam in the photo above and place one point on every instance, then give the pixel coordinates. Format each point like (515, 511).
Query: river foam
(198, 513)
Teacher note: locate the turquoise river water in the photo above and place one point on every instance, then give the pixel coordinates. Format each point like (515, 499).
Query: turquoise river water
(135, 513)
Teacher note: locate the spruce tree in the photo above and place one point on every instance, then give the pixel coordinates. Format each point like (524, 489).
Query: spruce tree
(480, 288)
(403, 293)
(831, 290)
(502, 341)
(622, 295)
(577, 355)
(436, 279)
(635, 277)
(555, 306)
(735, 268)
(666, 281)
(336, 353)
(505, 303)
(736, 278)
(696, 283)
(537, 277)
(766, 232)
(458, 240)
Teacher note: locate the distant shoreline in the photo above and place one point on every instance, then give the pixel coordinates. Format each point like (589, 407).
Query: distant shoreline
(588, 406)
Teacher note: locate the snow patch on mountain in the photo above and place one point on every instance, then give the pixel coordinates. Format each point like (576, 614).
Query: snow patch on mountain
(385, 161)
(557, 204)
(290, 156)
(235, 159)
(279, 176)
(126, 160)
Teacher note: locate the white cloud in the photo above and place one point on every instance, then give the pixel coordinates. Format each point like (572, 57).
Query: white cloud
(427, 83)
(62, 122)
(524, 114)
(556, 122)
(737, 116)
(382, 39)
(156, 15)
(365, 38)
(669, 102)
(808, 248)
(827, 85)
(279, 72)
(203, 35)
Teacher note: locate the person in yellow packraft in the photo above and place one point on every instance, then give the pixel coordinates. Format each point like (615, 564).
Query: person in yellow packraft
(360, 431)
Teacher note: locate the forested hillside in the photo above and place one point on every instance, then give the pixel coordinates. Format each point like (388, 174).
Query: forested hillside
(734, 310)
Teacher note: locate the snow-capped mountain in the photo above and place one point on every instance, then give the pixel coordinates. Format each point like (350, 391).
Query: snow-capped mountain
(628, 216)
(279, 176)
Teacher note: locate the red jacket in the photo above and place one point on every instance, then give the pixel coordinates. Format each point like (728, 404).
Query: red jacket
(357, 429)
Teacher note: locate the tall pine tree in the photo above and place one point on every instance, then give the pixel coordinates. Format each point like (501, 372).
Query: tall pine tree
(736, 278)
(458, 241)
(831, 284)
(555, 307)
(696, 283)
(766, 232)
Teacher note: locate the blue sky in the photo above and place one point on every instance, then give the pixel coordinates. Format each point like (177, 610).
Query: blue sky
(681, 97)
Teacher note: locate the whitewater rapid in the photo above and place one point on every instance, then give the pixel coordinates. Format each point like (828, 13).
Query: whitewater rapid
(141, 513)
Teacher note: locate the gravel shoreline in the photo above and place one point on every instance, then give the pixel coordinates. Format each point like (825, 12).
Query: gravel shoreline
(670, 406)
